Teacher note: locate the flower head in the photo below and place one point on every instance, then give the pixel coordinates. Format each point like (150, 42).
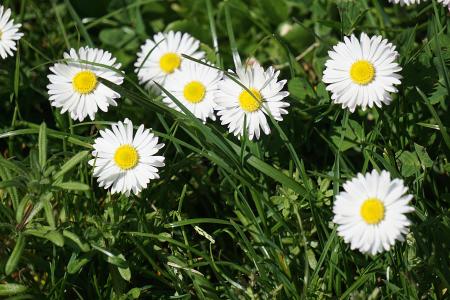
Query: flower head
(405, 2)
(241, 108)
(195, 86)
(410, 2)
(9, 33)
(362, 72)
(126, 162)
(75, 86)
(370, 212)
(160, 57)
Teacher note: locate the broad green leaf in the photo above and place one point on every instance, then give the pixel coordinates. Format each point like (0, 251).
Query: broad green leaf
(410, 164)
(16, 254)
(300, 89)
(48, 233)
(312, 259)
(134, 293)
(124, 272)
(11, 289)
(424, 158)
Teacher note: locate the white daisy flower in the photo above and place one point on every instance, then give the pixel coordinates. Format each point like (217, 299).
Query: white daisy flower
(195, 86)
(160, 57)
(75, 87)
(9, 33)
(409, 2)
(405, 2)
(362, 72)
(125, 162)
(370, 213)
(237, 107)
(445, 2)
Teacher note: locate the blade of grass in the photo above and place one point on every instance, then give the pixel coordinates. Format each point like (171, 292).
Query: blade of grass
(79, 23)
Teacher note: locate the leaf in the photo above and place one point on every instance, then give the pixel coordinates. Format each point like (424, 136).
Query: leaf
(75, 263)
(71, 163)
(48, 233)
(14, 258)
(124, 272)
(42, 145)
(13, 166)
(356, 129)
(344, 145)
(409, 163)
(134, 293)
(21, 207)
(300, 88)
(312, 261)
(36, 209)
(424, 158)
(112, 258)
(439, 95)
(11, 289)
(117, 261)
(71, 185)
(74, 238)
(48, 209)
(447, 167)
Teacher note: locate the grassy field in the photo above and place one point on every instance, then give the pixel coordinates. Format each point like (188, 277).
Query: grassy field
(229, 218)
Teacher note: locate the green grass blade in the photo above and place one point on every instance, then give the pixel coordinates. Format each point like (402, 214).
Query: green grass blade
(42, 145)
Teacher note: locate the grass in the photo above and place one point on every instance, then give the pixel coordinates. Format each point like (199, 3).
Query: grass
(230, 219)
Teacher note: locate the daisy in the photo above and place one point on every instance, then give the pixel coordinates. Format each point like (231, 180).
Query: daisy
(362, 72)
(409, 2)
(370, 213)
(9, 33)
(445, 3)
(125, 162)
(160, 57)
(405, 2)
(75, 86)
(195, 86)
(238, 108)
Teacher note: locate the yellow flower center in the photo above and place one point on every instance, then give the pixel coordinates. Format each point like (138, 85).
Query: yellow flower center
(194, 92)
(1, 34)
(169, 62)
(362, 72)
(84, 82)
(372, 211)
(250, 102)
(126, 157)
